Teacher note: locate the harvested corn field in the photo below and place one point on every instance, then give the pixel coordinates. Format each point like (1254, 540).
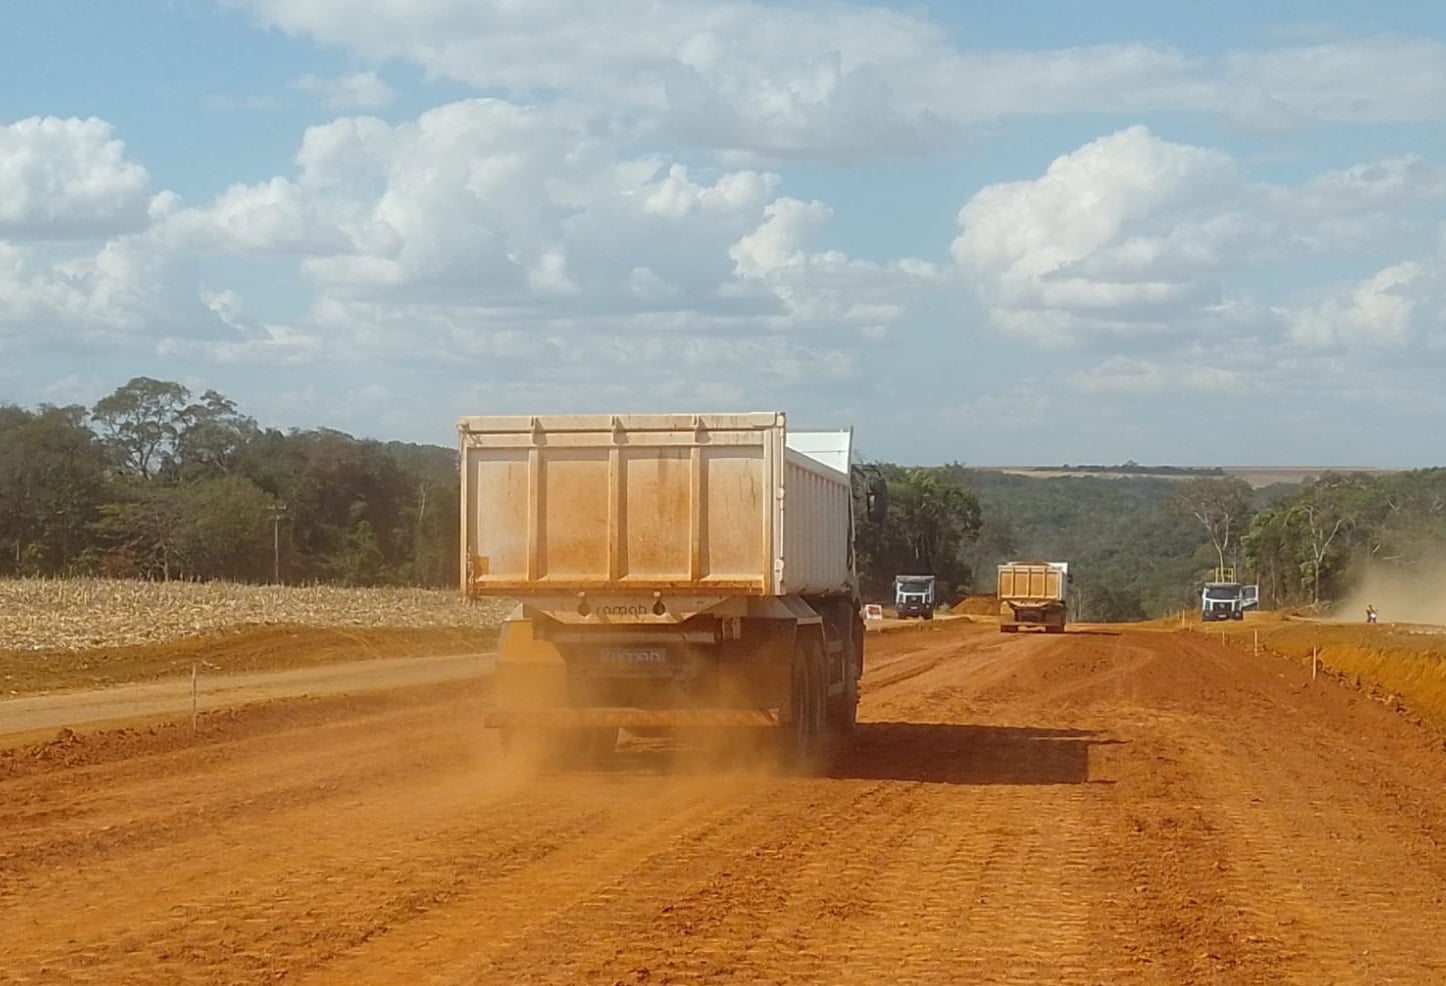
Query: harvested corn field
(79, 614)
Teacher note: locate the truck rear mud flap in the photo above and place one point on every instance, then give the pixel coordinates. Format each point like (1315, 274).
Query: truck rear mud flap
(566, 718)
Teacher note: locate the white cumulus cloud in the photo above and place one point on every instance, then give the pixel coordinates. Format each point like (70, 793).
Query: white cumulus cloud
(839, 80)
(1110, 239)
(1385, 310)
(1134, 236)
(357, 91)
(68, 179)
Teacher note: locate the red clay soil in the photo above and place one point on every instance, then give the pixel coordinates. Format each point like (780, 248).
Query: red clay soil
(1112, 805)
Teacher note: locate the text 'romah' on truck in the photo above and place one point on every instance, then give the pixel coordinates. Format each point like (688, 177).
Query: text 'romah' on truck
(673, 572)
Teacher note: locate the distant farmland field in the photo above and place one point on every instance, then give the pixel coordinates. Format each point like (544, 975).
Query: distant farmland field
(1256, 476)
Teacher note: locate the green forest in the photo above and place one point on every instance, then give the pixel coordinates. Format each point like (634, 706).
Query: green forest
(1141, 546)
(155, 482)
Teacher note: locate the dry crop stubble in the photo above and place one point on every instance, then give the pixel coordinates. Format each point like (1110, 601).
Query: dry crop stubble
(85, 633)
(74, 614)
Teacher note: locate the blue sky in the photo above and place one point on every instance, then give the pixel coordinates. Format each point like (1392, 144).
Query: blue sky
(1034, 234)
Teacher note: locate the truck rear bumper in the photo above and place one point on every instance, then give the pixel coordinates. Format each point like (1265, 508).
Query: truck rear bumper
(570, 718)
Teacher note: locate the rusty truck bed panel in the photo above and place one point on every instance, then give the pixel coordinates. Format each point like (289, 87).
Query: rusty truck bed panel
(644, 503)
(1032, 582)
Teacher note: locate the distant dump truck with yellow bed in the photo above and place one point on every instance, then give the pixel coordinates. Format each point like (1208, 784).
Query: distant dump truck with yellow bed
(673, 572)
(1033, 593)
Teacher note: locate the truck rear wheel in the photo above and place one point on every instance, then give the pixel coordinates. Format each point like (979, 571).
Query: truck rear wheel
(799, 740)
(843, 712)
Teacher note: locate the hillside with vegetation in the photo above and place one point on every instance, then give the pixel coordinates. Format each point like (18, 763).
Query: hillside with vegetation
(154, 482)
(1140, 546)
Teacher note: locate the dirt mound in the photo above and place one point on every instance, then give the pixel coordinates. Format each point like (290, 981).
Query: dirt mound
(977, 605)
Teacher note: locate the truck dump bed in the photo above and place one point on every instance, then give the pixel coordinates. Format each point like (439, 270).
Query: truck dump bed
(706, 503)
(1033, 581)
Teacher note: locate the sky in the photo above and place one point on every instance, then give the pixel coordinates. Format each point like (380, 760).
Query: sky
(1014, 234)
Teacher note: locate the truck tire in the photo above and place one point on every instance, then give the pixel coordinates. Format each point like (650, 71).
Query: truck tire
(928, 614)
(843, 712)
(799, 741)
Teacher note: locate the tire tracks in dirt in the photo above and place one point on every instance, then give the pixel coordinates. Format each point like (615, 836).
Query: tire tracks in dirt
(1109, 806)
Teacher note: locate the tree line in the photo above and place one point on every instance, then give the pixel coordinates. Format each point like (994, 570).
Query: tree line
(1141, 546)
(155, 482)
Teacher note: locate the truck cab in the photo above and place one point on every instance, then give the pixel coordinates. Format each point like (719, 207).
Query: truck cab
(915, 595)
(1226, 599)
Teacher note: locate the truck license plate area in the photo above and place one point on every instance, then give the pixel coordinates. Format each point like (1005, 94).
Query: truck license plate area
(639, 658)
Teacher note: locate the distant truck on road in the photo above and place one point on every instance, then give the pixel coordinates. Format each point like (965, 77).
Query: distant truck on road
(1032, 593)
(1224, 598)
(673, 571)
(916, 595)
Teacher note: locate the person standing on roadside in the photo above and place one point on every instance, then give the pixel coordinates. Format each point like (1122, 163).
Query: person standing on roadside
(1370, 613)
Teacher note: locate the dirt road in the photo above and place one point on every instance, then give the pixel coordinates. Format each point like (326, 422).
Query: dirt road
(1110, 806)
(126, 703)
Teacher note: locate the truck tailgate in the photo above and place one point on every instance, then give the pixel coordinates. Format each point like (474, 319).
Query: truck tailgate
(627, 503)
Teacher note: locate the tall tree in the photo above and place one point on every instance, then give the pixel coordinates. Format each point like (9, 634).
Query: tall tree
(1221, 506)
(1325, 510)
(141, 421)
(144, 530)
(52, 483)
(929, 523)
(211, 434)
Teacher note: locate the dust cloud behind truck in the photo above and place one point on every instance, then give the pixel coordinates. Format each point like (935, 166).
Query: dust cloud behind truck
(673, 571)
(1032, 593)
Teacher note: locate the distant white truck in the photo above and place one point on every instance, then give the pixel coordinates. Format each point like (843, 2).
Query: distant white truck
(1223, 598)
(1033, 593)
(916, 595)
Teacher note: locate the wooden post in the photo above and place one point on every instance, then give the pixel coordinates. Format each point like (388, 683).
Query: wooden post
(1256, 646)
(194, 710)
(1314, 662)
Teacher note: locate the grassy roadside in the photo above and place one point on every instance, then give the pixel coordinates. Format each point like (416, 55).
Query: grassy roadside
(1394, 662)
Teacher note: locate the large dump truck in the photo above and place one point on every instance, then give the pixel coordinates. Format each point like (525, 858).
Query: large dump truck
(916, 595)
(1223, 598)
(1032, 593)
(672, 571)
